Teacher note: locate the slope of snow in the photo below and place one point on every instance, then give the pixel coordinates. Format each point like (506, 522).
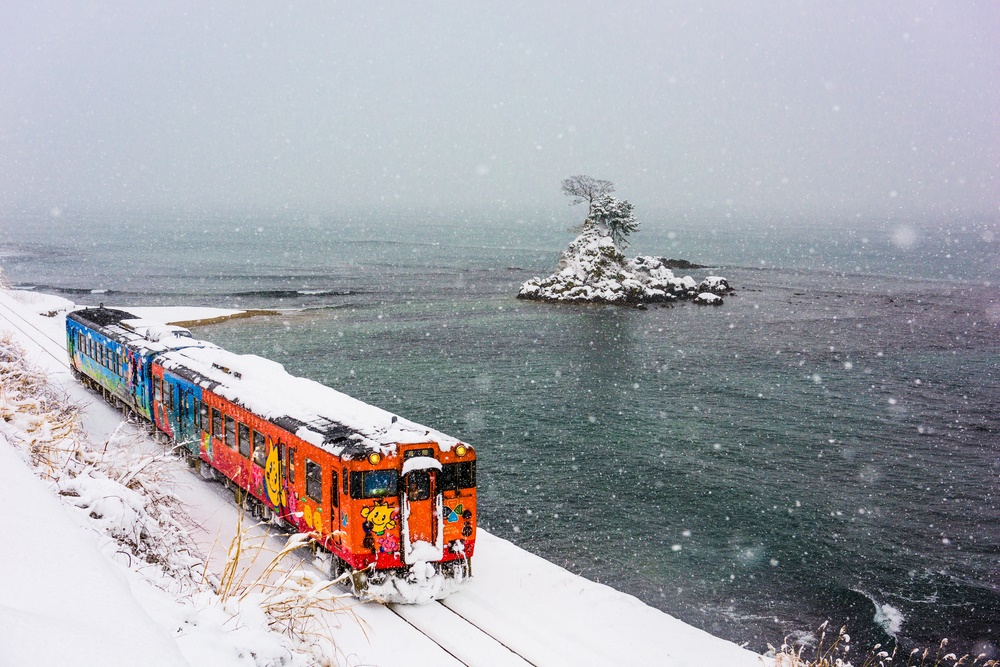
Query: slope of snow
(533, 607)
(63, 601)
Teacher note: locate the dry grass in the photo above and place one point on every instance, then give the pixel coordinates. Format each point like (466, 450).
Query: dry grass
(148, 524)
(47, 424)
(836, 655)
(298, 603)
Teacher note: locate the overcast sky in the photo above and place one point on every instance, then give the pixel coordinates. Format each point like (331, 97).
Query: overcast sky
(829, 108)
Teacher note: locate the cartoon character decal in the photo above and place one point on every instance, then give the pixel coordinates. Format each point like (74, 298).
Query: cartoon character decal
(388, 544)
(313, 517)
(381, 517)
(272, 478)
(454, 515)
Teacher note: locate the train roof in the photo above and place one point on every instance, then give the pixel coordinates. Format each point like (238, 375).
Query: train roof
(325, 417)
(145, 335)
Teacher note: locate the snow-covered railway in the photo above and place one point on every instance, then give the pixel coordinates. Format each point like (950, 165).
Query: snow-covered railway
(460, 637)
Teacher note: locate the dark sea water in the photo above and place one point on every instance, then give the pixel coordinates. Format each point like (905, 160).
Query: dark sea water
(825, 446)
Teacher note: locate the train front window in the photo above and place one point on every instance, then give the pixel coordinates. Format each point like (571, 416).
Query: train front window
(455, 476)
(374, 483)
(418, 485)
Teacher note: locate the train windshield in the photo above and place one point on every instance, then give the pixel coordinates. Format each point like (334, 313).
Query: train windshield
(374, 483)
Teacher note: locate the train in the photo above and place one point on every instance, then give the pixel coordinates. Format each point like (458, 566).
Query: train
(390, 503)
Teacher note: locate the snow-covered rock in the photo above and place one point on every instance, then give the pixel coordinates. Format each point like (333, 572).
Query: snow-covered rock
(708, 299)
(594, 270)
(715, 284)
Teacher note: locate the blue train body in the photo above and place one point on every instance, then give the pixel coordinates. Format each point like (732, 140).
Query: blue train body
(113, 351)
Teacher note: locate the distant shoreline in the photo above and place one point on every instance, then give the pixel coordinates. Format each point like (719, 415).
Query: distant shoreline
(243, 314)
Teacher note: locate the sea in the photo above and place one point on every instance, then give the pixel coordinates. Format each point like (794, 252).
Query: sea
(823, 447)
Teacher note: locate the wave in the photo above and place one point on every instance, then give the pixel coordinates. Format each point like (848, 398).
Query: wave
(890, 619)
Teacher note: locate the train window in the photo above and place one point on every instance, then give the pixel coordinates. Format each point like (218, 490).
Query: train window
(230, 432)
(168, 395)
(455, 476)
(245, 440)
(334, 490)
(259, 449)
(157, 389)
(418, 485)
(203, 419)
(216, 424)
(314, 481)
(347, 488)
(374, 483)
(291, 465)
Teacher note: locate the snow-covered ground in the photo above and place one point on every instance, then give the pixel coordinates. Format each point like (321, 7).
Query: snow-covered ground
(75, 595)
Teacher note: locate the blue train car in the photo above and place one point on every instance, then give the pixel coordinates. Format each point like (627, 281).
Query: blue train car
(178, 407)
(113, 350)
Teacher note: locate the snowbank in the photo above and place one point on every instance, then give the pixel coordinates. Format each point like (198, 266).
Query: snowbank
(64, 602)
(593, 270)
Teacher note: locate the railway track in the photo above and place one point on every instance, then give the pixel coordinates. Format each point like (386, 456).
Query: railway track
(460, 637)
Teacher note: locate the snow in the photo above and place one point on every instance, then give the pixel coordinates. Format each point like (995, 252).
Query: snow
(264, 387)
(420, 463)
(77, 593)
(63, 602)
(708, 299)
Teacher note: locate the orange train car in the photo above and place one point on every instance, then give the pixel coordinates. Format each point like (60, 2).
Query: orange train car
(393, 502)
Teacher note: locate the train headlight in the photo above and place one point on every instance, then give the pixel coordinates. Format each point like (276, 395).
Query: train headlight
(461, 450)
(374, 458)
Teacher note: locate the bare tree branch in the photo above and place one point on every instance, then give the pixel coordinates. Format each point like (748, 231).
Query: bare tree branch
(583, 188)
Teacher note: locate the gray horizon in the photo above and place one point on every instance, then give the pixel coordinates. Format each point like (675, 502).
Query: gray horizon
(803, 109)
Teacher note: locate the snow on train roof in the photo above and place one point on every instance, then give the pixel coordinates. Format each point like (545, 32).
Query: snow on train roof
(318, 414)
(140, 334)
(155, 331)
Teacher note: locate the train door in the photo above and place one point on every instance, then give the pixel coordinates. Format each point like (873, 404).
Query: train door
(277, 475)
(421, 519)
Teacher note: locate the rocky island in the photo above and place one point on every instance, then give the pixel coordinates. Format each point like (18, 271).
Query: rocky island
(594, 270)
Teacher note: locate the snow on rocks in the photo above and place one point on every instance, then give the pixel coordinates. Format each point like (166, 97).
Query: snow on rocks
(715, 284)
(594, 270)
(708, 299)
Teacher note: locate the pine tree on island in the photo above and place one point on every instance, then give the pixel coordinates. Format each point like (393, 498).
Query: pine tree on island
(594, 270)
